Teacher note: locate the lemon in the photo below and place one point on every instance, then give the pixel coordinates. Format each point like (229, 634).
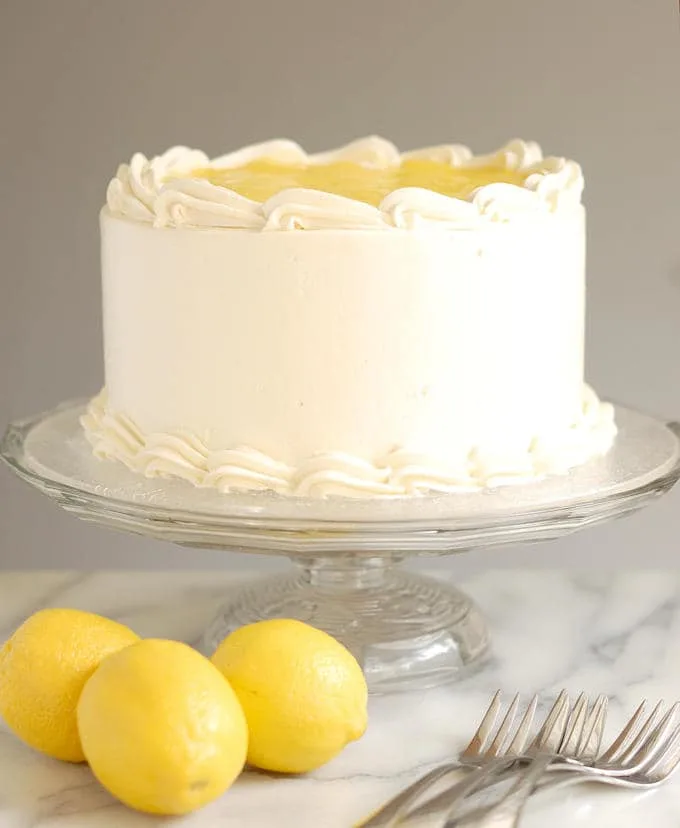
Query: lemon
(303, 693)
(161, 728)
(43, 669)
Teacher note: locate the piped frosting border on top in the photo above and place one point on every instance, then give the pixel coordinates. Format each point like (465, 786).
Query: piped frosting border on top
(159, 191)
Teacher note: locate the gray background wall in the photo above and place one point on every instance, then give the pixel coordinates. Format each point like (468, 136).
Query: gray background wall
(84, 83)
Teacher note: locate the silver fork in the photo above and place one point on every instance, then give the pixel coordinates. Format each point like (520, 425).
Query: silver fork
(579, 742)
(642, 756)
(576, 734)
(624, 756)
(486, 748)
(635, 744)
(634, 747)
(628, 760)
(658, 767)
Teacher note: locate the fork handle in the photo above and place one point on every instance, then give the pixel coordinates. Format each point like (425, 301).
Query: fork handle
(389, 813)
(508, 811)
(561, 779)
(561, 773)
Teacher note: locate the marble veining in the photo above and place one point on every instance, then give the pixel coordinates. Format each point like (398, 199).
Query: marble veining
(617, 633)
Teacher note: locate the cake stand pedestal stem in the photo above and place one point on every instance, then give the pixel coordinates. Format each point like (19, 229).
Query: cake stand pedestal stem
(347, 574)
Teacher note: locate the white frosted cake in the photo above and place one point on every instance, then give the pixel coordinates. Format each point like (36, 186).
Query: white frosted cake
(357, 322)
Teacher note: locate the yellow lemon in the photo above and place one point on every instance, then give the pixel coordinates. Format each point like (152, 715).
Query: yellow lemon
(303, 693)
(161, 728)
(43, 669)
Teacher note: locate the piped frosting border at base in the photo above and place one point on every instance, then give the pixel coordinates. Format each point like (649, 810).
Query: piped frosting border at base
(161, 191)
(114, 436)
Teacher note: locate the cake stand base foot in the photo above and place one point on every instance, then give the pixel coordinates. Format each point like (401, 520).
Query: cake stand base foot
(407, 631)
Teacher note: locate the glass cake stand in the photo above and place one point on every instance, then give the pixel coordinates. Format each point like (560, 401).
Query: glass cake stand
(406, 630)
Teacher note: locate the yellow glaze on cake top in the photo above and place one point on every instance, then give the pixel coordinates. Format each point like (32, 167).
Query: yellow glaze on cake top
(262, 179)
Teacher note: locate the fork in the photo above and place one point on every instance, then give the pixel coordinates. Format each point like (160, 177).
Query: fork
(660, 765)
(485, 748)
(634, 748)
(641, 757)
(575, 734)
(629, 750)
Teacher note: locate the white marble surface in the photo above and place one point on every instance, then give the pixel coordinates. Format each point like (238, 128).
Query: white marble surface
(612, 633)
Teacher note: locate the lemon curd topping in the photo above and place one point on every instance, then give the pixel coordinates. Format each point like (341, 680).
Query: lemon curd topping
(262, 179)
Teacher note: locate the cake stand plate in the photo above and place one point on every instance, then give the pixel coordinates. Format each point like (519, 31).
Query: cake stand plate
(406, 630)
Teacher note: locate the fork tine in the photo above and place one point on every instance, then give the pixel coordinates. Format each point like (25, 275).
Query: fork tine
(552, 732)
(593, 732)
(519, 743)
(481, 737)
(645, 731)
(501, 737)
(656, 740)
(549, 723)
(574, 729)
(668, 760)
(631, 732)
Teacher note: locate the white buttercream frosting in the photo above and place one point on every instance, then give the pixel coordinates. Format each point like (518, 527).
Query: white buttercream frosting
(401, 472)
(158, 191)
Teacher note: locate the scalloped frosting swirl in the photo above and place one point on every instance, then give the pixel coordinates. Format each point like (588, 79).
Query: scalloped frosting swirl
(166, 192)
(114, 436)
